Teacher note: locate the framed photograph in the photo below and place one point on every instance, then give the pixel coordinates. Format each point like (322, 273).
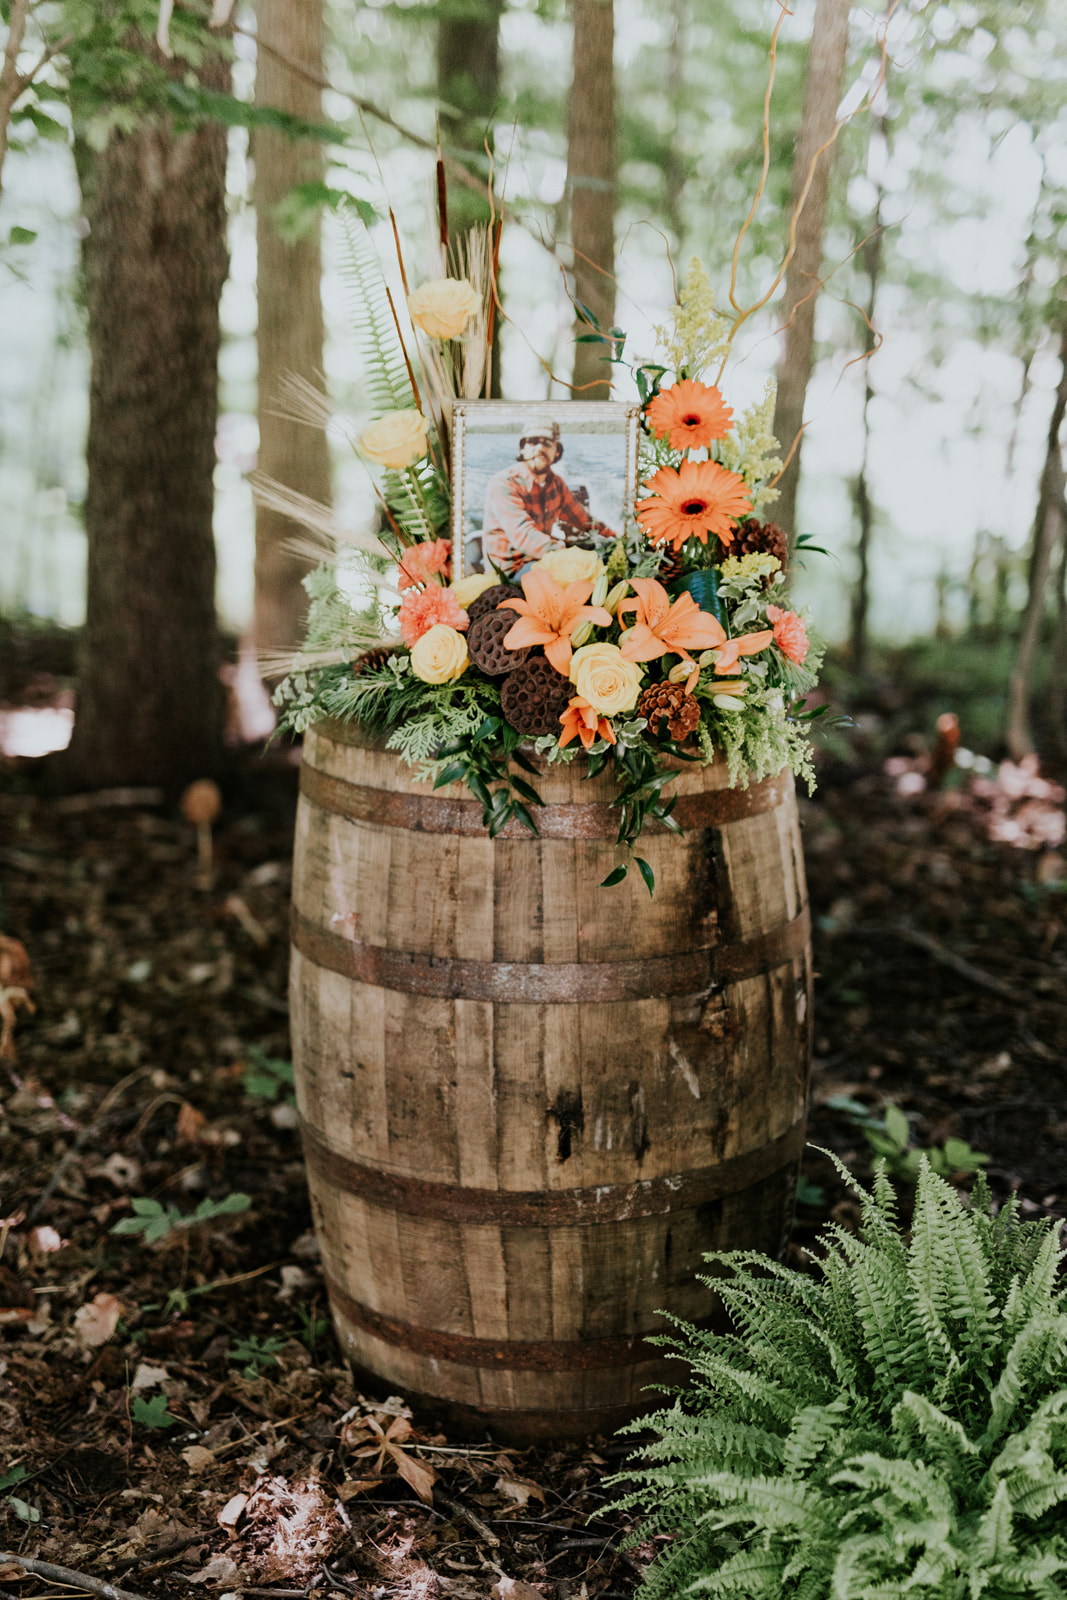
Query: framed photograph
(532, 477)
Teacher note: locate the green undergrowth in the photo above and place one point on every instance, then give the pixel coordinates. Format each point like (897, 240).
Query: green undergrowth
(894, 1426)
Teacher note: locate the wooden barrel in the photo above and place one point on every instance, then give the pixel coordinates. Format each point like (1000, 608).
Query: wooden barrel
(530, 1104)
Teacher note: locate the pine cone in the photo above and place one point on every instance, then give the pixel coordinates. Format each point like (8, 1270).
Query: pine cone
(489, 599)
(670, 567)
(533, 698)
(672, 704)
(485, 643)
(759, 538)
(371, 660)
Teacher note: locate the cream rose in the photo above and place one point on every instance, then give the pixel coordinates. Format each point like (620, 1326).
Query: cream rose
(572, 564)
(467, 590)
(440, 655)
(604, 678)
(396, 439)
(443, 307)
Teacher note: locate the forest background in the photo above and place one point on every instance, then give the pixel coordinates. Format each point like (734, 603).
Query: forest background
(933, 393)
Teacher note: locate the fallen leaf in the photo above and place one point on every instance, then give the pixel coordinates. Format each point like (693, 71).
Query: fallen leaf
(421, 1477)
(96, 1321)
(190, 1121)
(146, 1377)
(43, 1241)
(520, 1490)
(223, 1569)
(123, 1171)
(353, 1486)
(515, 1589)
(230, 1515)
(198, 1459)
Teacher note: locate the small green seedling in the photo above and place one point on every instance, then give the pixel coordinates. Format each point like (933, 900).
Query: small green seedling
(312, 1330)
(268, 1077)
(810, 1194)
(152, 1413)
(257, 1353)
(21, 1508)
(154, 1221)
(889, 1136)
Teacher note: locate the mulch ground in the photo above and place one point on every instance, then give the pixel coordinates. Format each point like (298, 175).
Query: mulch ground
(174, 1412)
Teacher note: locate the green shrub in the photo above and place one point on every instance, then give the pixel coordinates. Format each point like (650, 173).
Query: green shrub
(896, 1426)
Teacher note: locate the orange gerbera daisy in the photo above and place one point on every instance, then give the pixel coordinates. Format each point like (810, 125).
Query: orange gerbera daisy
(691, 414)
(700, 498)
(660, 627)
(549, 615)
(580, 721)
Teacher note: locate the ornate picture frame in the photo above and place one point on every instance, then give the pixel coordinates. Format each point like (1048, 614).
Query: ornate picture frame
(505, 466)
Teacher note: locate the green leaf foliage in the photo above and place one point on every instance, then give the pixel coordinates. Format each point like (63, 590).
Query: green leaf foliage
(896, 1426)
(151, 1413)
(154, 1221)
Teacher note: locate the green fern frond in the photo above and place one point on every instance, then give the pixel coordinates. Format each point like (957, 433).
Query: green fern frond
(897, 1427)
(385, 377)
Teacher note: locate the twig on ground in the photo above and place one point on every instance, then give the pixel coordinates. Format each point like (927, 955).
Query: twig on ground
(164, 1552)
(73, 1580)
(457, 1510)
(941, 954)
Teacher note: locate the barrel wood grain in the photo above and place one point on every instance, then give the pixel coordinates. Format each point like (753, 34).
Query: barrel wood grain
(530, 1105)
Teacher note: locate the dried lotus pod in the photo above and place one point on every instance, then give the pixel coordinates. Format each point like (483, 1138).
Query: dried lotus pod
(533, 698)
(485, 643)
(489, 599)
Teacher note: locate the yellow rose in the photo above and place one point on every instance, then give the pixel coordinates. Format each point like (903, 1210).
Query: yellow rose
(443, 307)
(396, 439)
(604, 678)
(440, 656)
(572, 564)
(468, 589)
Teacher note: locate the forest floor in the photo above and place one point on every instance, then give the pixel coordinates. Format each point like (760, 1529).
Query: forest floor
(174, 1412)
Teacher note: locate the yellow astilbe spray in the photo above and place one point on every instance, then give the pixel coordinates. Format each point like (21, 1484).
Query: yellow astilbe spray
(700, 334)
(750, 448)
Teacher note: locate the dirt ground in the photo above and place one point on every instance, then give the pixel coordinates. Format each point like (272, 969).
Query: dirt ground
(174, 1414)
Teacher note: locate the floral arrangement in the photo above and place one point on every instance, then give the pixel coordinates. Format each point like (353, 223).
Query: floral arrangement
(673, 640)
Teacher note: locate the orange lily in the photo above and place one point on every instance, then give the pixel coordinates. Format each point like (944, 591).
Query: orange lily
(580, 721)
(549, 615)
(746, 644)
(660, 627)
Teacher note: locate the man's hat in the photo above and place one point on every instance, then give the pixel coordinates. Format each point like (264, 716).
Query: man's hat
(540, 428)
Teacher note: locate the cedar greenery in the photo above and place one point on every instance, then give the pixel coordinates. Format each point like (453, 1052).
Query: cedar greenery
(894, 1427)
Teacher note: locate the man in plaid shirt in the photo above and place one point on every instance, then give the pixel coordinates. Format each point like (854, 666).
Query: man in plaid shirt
(529, 510)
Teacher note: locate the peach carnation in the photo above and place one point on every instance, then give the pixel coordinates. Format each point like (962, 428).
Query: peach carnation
(790, 634)
(422, 608)
(421, 561)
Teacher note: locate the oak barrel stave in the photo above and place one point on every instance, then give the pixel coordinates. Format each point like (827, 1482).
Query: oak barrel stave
(530, 1105)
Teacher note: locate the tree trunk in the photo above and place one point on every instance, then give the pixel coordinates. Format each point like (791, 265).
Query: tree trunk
(1048, 521)
(468, 94)
(826, 69)
(591, 182)
(861, 594)
(290, 331)
(150, 704)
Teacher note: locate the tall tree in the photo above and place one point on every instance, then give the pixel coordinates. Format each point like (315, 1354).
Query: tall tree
(289, 274)
(468, 95)
(825, 76)
(149, 700)
(1050, 524)
(871, 250)
(592, 176)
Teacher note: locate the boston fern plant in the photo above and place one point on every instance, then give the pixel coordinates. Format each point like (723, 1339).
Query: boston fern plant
(896, 1426)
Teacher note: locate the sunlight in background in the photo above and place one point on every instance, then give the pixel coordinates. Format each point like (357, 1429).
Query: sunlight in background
(941, 421)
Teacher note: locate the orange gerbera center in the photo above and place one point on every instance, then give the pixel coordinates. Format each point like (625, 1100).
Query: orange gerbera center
(691, 414)
(699, 498)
